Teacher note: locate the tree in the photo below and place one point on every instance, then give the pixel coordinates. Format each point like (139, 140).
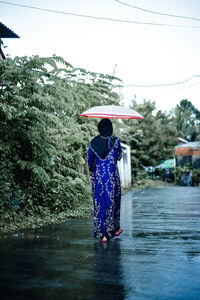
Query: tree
(152, 139)
(186, 119)
(43, 140)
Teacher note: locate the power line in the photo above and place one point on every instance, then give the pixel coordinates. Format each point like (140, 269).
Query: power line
(157, 13)
(179, 90)
(176, 91)
(97, 18)
(161, 84)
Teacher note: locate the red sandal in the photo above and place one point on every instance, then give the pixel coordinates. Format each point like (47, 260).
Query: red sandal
(104, 241)
(120, 231)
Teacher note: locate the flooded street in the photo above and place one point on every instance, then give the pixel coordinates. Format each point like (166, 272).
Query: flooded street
(157, 256)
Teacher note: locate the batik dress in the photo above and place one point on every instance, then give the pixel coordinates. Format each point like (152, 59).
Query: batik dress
(106, 190)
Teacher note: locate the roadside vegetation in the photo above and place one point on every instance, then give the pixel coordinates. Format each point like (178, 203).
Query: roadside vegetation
(44, 141)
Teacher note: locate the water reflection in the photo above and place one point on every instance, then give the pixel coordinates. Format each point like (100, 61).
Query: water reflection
(107, 270)
(161, 247)
(157, 257)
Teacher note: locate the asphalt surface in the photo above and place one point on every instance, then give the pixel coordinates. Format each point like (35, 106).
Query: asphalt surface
(156, 257)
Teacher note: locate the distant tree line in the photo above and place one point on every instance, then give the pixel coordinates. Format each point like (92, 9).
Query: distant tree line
(153, 139)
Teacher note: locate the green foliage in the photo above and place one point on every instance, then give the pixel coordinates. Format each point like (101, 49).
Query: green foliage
(43, 140)
(196, 177)
(186, 119)
(152, 139)
(180, 171)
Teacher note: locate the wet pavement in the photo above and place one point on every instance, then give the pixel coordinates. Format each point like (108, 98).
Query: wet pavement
(157, 256)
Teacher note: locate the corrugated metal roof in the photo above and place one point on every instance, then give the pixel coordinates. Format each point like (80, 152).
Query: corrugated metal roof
(189, 145)
(5, 32)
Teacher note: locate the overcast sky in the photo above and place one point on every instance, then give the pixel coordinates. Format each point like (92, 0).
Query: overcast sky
(142, 54)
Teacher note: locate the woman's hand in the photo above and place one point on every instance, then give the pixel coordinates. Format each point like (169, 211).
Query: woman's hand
(90, 178)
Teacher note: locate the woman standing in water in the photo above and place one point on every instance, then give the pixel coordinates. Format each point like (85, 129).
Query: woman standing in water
(103, 154)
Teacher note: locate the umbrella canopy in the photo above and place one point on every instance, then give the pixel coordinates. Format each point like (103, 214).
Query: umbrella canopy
(111, 111)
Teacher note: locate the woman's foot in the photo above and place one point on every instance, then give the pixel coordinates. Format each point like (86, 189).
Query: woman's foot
(118, 232)
(104, 239)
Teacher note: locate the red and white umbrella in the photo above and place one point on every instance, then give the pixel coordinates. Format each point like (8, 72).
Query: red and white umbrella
(111, 112)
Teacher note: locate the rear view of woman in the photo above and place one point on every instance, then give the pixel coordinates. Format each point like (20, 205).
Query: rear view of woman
(103, 154)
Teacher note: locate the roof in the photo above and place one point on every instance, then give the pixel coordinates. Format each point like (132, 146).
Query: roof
(5, 32)
(189, 145)
(167, 164)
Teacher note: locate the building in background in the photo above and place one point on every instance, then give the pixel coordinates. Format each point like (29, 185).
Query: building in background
(5, 32)
(188, 155)
(188, 152)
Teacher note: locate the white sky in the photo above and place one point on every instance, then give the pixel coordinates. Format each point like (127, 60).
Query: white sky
(144, 54)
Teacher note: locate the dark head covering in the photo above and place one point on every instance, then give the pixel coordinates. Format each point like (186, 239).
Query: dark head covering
(105, 128)
(103, 143)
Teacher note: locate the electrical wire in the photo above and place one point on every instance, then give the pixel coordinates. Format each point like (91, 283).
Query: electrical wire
(108, 19)
(161, 84)
(157, 13)
(98, 18)
(179, 90)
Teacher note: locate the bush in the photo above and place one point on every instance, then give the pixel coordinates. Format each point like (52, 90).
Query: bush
(43, 141)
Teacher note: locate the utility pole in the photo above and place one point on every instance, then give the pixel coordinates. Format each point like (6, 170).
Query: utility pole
(114, 70)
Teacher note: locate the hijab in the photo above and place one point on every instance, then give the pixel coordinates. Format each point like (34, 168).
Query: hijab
(104, 142)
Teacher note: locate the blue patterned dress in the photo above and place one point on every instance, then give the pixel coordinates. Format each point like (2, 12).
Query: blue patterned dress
(106, 190)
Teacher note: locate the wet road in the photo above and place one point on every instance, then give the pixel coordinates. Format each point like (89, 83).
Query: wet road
(157, 256)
